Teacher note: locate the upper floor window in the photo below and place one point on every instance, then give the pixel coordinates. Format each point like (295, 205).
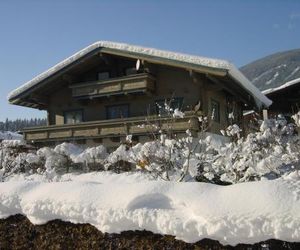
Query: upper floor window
(73, 116)
(215, 110)
(130, 71)
(103, 75)
(117, 111)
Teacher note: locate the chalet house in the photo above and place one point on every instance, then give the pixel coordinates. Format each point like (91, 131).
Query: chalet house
(105, 91)
(285, 98)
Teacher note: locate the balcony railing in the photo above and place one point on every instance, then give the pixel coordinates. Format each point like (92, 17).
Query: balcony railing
(110, 128)
(138, 83)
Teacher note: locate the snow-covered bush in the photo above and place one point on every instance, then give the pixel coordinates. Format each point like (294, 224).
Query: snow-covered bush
(169, 155)
(13, 158)
(93, 158)
(269, 153)
(67, 157)
(17, 157)
(123, 158)
(165, 158)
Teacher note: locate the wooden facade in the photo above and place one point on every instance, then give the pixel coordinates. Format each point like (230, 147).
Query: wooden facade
(105, 95)
(95, 130)
(137, 83)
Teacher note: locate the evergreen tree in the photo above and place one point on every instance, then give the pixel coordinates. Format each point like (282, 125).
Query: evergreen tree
(19, 124)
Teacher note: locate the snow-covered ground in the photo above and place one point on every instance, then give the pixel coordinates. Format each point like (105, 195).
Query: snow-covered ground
(240, 213)
(7, 135)
(34, 183)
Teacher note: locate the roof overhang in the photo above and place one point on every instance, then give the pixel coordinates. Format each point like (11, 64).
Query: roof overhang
(283, 87)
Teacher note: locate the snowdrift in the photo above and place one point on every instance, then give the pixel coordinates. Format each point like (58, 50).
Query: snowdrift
(240, 213)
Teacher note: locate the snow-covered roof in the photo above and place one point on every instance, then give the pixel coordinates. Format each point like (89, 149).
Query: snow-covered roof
(138, 51)
(283, 86)
(259, 97)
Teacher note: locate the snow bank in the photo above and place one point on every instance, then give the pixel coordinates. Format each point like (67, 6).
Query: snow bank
(241, 213)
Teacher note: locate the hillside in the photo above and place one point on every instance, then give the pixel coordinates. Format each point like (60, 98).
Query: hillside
(273, 70)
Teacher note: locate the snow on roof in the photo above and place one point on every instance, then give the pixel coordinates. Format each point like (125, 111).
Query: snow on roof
(283, 86)
(260, 98)
(143, 51)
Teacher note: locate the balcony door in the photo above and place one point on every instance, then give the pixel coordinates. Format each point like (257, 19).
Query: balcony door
(117, 111)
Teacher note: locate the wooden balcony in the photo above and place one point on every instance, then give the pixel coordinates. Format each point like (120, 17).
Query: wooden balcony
(138, 83)
(109, 128)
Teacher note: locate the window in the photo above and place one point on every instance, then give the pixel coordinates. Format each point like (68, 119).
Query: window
(73, 116)
(115, 139)
(117, 111)
(233, 111)
(175, 103)
(130, 71)
(103, 75)
(215, 110)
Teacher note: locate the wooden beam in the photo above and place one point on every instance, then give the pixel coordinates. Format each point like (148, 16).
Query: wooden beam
(222, 86)
(106, 58)
(193, 75)
(166, 61)
(68, 78)
(39, 99)
(215, 85)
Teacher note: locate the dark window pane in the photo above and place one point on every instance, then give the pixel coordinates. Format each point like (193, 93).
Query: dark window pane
(130, 71)
(117, 111)
(103, 75)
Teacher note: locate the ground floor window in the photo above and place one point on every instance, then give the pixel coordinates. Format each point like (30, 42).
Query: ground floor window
(117, 111)
(73, 116)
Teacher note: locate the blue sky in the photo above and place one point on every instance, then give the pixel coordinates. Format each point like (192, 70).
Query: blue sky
(36, 34)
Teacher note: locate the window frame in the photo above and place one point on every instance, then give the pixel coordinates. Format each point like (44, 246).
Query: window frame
(130, 68)
(117, 105)
(217, 116)
(104, 71)
(73, 110)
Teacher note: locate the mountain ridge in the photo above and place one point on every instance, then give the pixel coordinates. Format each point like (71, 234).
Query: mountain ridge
(273, 70)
